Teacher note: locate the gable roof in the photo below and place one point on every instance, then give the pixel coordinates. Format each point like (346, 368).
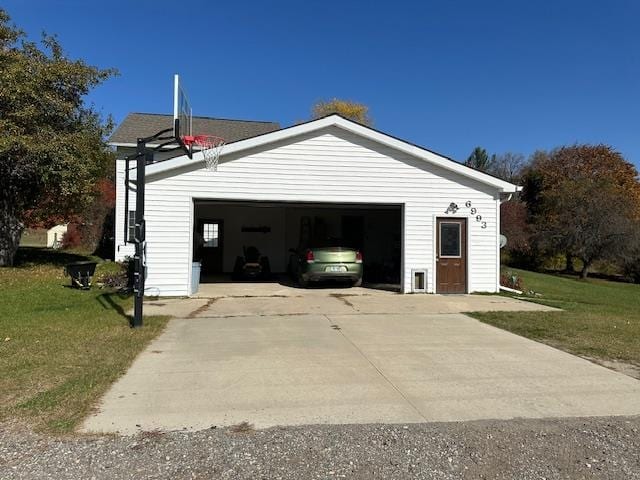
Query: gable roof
(335, 120)
(136, 125)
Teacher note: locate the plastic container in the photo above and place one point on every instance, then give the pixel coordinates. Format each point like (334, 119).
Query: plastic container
(195, 277)
(81, 274)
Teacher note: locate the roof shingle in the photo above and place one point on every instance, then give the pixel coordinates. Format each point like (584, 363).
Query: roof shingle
(137, 125)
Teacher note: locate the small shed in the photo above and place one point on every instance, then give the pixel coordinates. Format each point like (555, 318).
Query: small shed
(54, 236)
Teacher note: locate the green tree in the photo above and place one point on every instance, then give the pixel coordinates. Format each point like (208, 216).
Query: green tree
(52, 148)
(479, 159)
(355, 111)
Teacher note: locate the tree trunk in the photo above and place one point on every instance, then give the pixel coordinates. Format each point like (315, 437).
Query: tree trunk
(585, 269)
(10, 232)
(569, 265)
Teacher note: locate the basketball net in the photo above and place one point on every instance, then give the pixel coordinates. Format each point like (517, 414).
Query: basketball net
(210, 146)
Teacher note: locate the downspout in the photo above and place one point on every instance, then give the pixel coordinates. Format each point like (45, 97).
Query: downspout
(508, 198)
(510, 290)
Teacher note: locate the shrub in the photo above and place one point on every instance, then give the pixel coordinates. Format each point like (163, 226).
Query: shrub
(113, 275)
(527, 260)
(511, 280)
(96, 227)
(632, 269)
(72, 237)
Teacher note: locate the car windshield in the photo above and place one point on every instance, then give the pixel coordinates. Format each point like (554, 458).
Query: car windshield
(329, 242)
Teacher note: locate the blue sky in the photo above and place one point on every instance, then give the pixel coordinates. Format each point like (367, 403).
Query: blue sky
(507, 75)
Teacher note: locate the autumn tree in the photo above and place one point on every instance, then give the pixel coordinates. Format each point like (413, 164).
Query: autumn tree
(514, 225)
(355, 111)
(584, 201)
(513, 214)
(52, 148)
(479, 159)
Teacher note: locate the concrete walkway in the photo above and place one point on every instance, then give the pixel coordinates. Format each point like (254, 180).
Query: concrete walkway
(351, 368)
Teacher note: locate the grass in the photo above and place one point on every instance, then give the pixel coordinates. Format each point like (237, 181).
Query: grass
(34, 237)
(60, 348)
(600, 319)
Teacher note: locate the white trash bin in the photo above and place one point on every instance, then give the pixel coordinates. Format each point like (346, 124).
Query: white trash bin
(195, 277)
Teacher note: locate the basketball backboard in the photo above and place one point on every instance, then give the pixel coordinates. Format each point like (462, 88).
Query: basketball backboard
(182, 114)
(209, 145)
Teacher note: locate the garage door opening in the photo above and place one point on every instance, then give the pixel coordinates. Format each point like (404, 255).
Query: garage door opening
(260, 241)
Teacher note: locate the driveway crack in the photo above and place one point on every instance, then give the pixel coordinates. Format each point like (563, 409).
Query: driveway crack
(343, 298)
(386, 379)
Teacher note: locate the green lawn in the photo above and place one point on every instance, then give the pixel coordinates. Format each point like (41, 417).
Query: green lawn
(600, 319)
(60, 348)
(34, 237)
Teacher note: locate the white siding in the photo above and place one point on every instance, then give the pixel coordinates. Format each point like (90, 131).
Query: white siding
(330, 165)
(122, 250)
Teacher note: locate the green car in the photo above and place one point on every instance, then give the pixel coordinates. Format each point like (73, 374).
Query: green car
(327, 262)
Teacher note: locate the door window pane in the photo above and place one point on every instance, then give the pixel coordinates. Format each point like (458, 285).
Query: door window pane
(450, 240)
(210, 234)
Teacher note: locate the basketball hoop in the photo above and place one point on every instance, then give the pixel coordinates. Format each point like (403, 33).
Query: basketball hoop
(210, 146)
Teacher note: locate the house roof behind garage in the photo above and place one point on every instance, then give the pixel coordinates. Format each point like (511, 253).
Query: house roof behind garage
(137, 125)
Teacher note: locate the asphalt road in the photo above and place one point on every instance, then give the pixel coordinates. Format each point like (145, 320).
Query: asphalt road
(604, 448)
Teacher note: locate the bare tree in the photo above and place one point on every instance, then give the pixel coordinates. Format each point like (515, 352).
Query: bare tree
(508, 166)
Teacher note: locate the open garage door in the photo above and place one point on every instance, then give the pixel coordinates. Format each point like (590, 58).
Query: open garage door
(266, 234)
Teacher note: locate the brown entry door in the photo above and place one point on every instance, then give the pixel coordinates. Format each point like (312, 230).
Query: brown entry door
(210, 248)
(451, 255)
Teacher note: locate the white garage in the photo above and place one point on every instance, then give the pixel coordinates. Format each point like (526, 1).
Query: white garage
(422, 221)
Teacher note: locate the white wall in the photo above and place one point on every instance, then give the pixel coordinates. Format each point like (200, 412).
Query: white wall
(330, 165)
(122, 249)
(55, 234)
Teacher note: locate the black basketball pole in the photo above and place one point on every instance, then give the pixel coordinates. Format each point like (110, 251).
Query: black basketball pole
(143, 156)
(140, 240)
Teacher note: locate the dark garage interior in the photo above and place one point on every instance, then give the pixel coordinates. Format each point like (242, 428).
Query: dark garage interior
(227, 230)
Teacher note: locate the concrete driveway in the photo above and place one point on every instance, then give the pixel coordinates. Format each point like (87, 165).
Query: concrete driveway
(223, 367)
(273, 298)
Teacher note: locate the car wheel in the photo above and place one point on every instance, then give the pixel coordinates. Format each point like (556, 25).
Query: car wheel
(358, 282)
(302, 282)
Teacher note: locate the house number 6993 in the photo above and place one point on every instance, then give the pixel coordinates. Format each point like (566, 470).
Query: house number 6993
(473, 211)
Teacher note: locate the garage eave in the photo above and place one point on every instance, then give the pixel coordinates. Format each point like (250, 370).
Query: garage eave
(335, 120)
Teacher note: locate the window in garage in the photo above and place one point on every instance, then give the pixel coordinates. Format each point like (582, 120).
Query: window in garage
(210, 235)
